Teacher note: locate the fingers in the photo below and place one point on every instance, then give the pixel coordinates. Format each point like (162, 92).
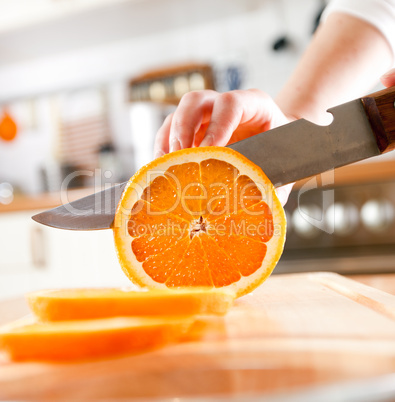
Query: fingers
(388, 79)
(208, 118)
(189, 120)
(248, 111)
(161, 145)
(193, 111)
(226, 116)
(200, 134)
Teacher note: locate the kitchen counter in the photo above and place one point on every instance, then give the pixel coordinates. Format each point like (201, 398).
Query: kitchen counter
(43, 201)
(357, 173)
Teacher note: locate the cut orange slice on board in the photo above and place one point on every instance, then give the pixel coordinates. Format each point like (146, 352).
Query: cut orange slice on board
(77, 304)
(205, 217)
(91, 339)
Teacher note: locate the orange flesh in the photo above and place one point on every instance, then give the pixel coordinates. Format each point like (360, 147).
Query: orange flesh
(81, 304)
(91, 339)
(210, 240)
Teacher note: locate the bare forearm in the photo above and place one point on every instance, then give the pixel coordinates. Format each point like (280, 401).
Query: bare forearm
(344, 61)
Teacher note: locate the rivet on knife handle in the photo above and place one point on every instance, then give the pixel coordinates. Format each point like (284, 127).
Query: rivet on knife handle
(380, 110)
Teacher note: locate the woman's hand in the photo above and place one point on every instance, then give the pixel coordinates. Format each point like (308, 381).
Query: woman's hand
(206, 118)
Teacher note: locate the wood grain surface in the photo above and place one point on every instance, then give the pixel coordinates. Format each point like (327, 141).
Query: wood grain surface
(384, 282)
(294, 331)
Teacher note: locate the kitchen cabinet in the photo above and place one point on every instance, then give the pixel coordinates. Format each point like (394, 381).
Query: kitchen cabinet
(16, 234)
(22, 254)
(34, 257)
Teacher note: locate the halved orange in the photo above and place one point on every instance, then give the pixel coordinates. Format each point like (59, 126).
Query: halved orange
(77, 304)
(205, 217)
(27, 339)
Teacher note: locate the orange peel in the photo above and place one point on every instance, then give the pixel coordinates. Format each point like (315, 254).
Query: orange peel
(199, 217)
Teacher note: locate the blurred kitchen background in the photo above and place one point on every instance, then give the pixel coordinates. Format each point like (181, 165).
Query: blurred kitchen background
(85, 84)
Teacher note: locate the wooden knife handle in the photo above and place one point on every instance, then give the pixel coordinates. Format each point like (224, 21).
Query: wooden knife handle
(380, 109)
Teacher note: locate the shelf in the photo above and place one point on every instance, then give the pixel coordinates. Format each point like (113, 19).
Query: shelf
(357, 173)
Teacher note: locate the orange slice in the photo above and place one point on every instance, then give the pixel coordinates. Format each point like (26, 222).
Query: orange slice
(77, 304)
(205, 217)
(91, 339)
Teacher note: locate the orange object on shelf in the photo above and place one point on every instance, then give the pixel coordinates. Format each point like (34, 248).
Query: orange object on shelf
(8, 128)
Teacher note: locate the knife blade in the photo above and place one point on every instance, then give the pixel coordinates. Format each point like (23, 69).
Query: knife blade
(360, 129)
(93, 212)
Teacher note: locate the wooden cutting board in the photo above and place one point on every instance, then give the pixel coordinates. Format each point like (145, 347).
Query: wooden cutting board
(294, 331)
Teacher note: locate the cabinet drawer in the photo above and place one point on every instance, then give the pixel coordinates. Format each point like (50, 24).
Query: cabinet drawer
(20, 241)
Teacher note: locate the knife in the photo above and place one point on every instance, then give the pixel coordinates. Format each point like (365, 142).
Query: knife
(360, 129)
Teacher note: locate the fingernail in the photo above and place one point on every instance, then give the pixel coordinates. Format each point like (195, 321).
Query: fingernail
(158, 154)
(175, 145)
(208, 140)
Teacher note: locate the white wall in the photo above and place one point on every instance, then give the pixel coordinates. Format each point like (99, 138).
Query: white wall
(246, 36)
(220, 32)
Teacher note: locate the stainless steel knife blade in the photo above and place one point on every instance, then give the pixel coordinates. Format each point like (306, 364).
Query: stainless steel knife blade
(360, 129)
(301, 149)
(93, 212)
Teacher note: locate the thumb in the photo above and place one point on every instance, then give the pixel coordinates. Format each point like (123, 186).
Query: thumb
(388, 79)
